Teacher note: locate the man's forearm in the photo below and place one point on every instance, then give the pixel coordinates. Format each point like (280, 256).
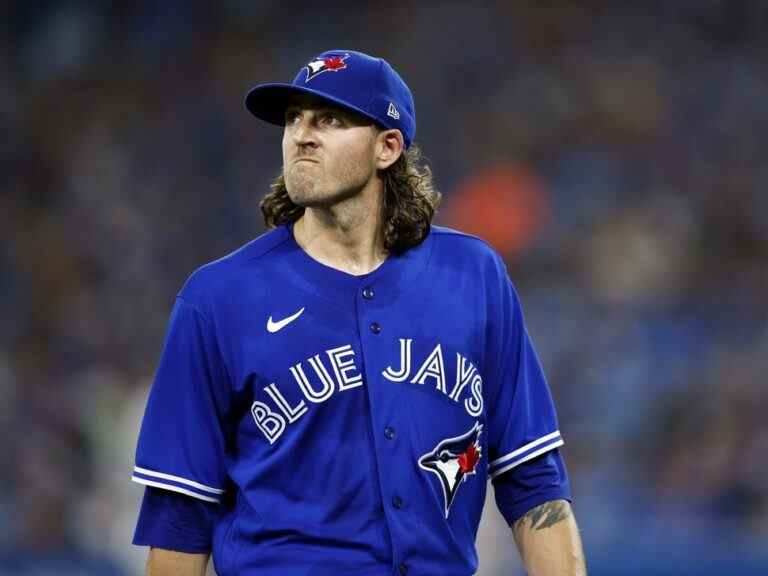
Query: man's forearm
(169, 563)
(549, 542)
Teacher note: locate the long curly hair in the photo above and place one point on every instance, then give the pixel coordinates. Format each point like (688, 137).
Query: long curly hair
(410, 202)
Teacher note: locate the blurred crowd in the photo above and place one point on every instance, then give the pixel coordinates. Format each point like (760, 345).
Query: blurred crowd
(610, 150)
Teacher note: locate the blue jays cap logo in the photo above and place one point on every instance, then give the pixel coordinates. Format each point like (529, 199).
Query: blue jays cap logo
(453, 460)
(325, 64)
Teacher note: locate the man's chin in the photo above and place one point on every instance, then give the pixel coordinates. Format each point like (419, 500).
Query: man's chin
(311, 199)
(301, 195)
(315, 199)
(304, 200)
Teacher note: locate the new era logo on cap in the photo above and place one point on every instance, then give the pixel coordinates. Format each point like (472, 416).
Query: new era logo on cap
(357, 81)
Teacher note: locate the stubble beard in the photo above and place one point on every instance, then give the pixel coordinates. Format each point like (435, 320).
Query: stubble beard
(308, 189)
(301, 187)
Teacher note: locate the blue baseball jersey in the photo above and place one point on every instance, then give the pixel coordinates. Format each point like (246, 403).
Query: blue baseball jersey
(345, 424)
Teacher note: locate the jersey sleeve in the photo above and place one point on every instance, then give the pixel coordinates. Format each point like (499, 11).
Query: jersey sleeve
(181, 444)
(174, 521)
(539, 480)
(522, 419)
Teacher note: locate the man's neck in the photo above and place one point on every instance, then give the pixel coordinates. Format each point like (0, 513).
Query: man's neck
(347, 237)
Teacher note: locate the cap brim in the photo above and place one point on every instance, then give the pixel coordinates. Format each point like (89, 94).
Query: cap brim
(269, 101)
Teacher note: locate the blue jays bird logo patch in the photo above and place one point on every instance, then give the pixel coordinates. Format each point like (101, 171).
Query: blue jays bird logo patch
(328, 63)
(453, 460)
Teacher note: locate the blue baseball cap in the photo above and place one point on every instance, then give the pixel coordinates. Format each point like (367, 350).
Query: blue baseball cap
(350, 79)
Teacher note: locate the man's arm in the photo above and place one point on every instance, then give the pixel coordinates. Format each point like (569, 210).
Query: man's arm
(170, 563)
(549, 542)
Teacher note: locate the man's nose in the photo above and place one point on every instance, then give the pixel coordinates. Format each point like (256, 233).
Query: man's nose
(304, 133)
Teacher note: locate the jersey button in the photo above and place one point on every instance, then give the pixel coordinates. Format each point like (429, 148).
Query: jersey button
(403, 569)
(375, 327)
(368, 293)
(389, 433)
(397, 502)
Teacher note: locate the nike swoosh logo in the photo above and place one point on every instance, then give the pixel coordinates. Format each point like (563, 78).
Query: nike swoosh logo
(273, 326)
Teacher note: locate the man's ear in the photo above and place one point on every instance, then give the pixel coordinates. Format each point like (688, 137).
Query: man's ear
(389, 147)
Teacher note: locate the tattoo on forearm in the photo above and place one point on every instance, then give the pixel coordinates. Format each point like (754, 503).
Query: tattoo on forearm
(545, 515)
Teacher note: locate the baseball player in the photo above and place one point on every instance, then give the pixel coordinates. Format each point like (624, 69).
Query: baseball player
(334, 396)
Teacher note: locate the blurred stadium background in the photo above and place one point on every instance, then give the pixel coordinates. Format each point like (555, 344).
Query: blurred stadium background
(614, 152)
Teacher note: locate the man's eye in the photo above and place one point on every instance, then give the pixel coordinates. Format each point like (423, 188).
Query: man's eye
(291, 116)
(331, 120)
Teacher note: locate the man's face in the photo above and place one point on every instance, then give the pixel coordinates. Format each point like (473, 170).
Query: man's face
(328, 152)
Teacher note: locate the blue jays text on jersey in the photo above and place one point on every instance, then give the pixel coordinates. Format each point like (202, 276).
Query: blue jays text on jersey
(339, 372)
(345, 424)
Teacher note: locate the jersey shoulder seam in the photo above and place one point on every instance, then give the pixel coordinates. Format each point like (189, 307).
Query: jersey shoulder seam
(263, 251)
(210, 326)
(445, 231)
(274, 246)
(194, 307)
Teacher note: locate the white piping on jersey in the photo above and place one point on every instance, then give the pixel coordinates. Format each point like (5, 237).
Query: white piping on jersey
(533, 454)
(178, 479)
(525, 448)
(174, 488)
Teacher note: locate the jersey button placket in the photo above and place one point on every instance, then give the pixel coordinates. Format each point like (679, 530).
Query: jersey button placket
(397, 503)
